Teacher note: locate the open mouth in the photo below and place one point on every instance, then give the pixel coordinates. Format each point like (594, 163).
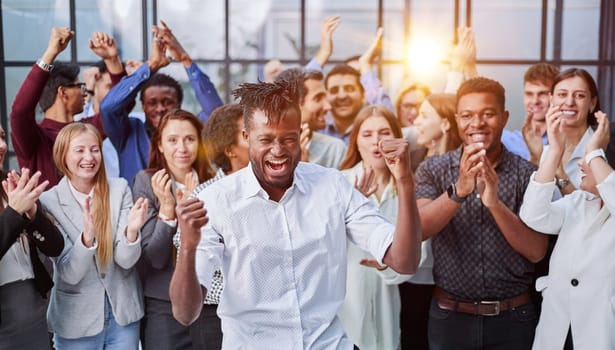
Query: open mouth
(569, 113)
(276, 165)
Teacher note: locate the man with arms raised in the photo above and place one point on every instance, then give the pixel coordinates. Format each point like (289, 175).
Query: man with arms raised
(278, 230)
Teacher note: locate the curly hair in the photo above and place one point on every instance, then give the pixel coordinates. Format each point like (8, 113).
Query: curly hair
(220, 132)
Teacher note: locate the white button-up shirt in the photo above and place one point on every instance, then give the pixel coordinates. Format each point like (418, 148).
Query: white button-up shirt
(284, 263)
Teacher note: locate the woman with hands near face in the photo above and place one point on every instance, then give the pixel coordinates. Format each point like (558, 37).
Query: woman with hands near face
(577, 309)
(97, 300)
(178, 163)
(570, 122)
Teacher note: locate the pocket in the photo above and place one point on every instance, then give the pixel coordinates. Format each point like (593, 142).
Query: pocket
(525, 313)
(542, 283)
(436, 312)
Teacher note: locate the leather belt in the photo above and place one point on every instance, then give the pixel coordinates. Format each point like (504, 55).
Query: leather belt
(447, 301)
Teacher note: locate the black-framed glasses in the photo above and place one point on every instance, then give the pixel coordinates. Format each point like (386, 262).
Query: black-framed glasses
(84, 89)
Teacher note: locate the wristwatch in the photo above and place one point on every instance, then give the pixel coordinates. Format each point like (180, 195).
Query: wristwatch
(452, 194)
(561, 183)
(44, 66)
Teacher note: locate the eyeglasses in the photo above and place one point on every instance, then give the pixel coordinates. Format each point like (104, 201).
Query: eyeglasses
(84, 89)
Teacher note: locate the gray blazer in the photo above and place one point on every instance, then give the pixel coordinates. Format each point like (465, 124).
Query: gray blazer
(77, 302)
(156, 264)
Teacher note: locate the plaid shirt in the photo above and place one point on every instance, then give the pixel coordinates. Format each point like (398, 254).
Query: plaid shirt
(214, 293)
(472, 259)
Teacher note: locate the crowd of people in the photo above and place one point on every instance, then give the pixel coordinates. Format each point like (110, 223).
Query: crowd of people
(313, 213)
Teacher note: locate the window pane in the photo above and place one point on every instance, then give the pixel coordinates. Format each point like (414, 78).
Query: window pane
(121, 19)
(198, 25)
(264, 29)
(507, 29)
(32, 19)
(581, 27)
(359, 23)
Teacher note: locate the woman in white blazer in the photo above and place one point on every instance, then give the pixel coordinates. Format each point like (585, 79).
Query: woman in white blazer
(97, 301)
(578, 308)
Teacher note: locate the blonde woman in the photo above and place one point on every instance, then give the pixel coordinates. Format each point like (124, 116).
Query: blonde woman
(97, 301)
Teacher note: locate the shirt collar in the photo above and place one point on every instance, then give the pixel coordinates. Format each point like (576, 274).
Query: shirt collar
(251, 187)
(80, 197)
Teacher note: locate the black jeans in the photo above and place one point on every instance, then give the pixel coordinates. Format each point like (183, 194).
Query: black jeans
(511, 330)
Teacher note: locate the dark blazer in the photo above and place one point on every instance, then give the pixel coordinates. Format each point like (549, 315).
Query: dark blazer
(156, 264)
(42, 234)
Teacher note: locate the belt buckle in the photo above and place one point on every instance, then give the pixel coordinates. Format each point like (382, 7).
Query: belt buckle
(488, 302)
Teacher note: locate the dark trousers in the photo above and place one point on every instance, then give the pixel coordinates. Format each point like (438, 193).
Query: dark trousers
(510, 330)
(160, 331)
(414, 316)
(206, 331)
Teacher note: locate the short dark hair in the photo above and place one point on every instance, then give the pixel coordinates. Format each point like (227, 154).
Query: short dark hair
(161, 79)
(300, 75)
(591, 84)
(275, 99)
(62, 74)
(542, 72)
(344, 69)
(220, 132)
(483, 85)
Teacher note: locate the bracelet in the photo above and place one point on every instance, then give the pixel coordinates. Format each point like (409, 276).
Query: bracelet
(599, 152)
(44, 66)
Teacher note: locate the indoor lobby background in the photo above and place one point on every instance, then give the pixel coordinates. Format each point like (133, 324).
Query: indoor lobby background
(232, 39)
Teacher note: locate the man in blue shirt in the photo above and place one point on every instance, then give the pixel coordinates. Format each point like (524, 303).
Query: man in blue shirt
(160, 94)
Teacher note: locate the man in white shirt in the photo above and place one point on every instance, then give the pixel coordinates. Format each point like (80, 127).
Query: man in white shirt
(277, 229)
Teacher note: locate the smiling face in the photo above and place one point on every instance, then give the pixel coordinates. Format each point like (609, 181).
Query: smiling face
(536, 99)
(480, 118)
(158, 100)
(179, 144)
(274, 150)
(345, 95)
(371, 131)
(429, 125)
(83, 157)
(315, 105)
(573, 97)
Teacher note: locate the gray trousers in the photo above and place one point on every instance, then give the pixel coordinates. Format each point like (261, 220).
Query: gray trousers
(23, 317)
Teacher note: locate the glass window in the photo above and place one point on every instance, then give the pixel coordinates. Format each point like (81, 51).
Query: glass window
(507, 29)
(32, 19)
(264, 29)
(198, 25)
(122, 20)
(357, 29)
(581, 28)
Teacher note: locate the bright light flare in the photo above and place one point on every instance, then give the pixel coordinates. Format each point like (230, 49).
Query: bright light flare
(424, 55)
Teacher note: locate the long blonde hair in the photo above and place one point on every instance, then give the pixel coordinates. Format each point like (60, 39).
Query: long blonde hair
(101, 207)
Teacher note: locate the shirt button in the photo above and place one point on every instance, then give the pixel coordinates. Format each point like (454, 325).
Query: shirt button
(574, 282)
(102, 275)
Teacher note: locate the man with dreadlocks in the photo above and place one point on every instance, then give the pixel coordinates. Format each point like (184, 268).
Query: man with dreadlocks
(277, 229)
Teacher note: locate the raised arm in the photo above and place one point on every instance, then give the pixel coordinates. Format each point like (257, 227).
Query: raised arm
(185, 291)
(22, 117)
(114, 107)
(205, 91)
(375, 93)
(404, 254)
